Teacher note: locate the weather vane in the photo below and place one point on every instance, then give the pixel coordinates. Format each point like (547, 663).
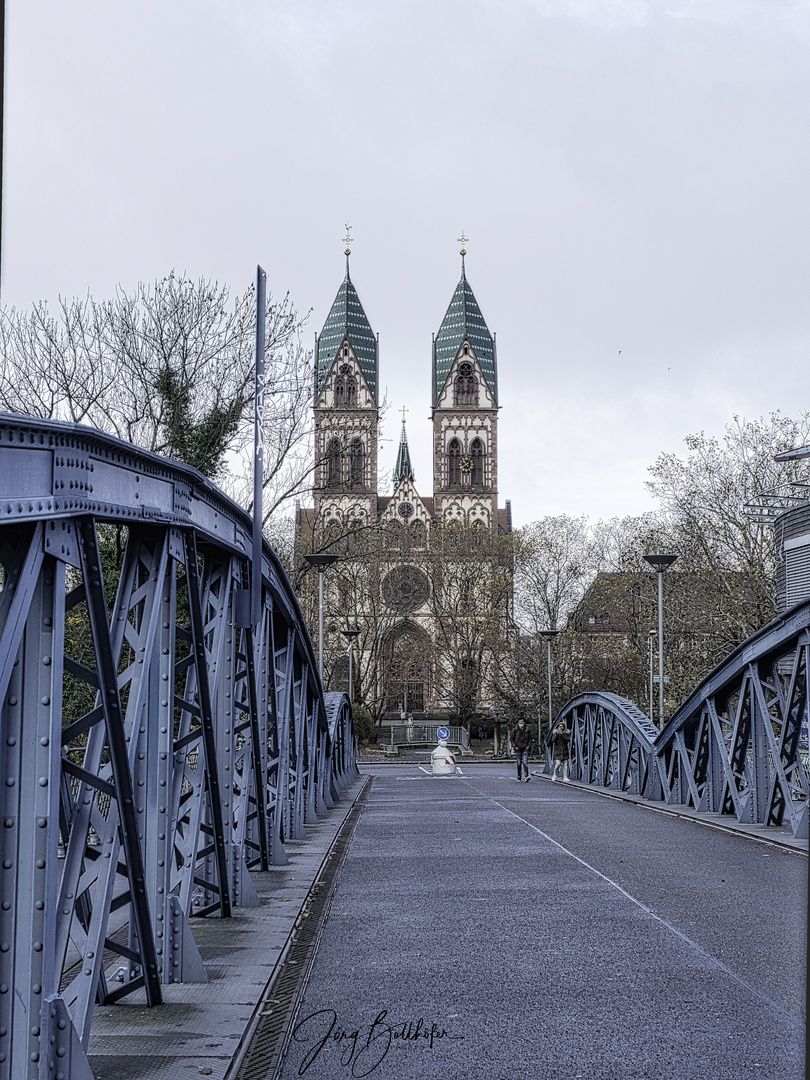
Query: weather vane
(463, 241)
(347, 239)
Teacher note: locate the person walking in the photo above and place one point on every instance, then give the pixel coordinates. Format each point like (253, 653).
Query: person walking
(560, 737)
(522, 741)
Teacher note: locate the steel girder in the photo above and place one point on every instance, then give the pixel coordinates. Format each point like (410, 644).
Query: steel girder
(731, 748)
(154, 750)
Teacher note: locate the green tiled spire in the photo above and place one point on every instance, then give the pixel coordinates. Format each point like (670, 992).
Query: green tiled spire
(464, 321)
(347, 320)
(403, 466)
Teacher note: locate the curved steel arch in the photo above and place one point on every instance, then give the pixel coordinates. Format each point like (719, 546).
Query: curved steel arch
(612, 743)
(203, 743)
(731, 748)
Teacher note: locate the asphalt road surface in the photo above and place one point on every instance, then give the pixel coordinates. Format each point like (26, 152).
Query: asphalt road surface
(490, 930)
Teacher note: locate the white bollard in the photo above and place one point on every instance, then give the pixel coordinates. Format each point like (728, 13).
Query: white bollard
(444, 761)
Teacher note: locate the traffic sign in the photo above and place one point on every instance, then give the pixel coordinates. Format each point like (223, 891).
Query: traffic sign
(443, 733)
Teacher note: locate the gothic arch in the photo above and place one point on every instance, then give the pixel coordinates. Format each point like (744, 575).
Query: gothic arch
(357, 464)
(466, 386)
(454, 462)
(406, 670)
(477, 455)
(333, 463)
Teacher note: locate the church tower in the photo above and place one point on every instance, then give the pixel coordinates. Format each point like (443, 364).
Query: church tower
(465, 414)
(346, 413)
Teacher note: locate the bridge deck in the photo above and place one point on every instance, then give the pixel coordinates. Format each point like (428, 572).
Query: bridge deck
(548, 931)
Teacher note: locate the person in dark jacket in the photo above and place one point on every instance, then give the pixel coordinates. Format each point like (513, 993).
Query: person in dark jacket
(560, 737)
(522, 742)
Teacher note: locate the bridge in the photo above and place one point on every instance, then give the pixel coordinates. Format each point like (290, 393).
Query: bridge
(166, 762)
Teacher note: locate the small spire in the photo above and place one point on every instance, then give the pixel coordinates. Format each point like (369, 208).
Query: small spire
(347, 240)
(403, 466)
(463, 240)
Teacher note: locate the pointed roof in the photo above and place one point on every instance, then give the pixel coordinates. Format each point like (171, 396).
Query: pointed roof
(464, 321)
(403, 466)
(347, 319)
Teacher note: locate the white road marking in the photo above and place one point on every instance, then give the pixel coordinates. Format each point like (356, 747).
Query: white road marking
(683, 937)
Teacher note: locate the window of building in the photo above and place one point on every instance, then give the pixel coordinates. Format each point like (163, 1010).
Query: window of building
(333, 463)
(345, 388)
(357, 464)
(477, 455)
(466, 386)
(454, 462)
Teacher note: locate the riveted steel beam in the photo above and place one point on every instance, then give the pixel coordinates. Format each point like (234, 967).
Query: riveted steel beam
(731, 748)
(191, 747)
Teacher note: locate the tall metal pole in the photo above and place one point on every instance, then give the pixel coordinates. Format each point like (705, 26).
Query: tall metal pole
(652, 706)
(548, 643)
(320, 620)
(549, 635)
(351, 671)
(660, 648)
(258, 447)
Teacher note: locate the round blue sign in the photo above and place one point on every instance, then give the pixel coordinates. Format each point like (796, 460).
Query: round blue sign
(443, 733)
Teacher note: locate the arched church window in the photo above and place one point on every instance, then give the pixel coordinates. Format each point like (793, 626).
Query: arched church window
(454, 462)
(418, 533)
(351, 391)
(339, 392)
(466, 386)
(333, 463)
(477, 455)
(356, 463)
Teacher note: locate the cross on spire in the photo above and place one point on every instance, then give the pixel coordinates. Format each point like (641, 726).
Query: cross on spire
(404, 410)
(347, 239)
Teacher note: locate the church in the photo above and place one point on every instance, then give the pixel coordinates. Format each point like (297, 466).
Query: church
(412, 563)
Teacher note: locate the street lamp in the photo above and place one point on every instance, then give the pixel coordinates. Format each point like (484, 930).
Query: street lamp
(660, 563)
(320, 561)
(350, 636)
(549, 635)
(652, 639)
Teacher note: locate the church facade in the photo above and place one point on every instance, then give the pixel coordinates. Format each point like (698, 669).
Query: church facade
(408, 558)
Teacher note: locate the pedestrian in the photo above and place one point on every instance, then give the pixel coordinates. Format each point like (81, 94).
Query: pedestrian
(560, 737)
(522, 741)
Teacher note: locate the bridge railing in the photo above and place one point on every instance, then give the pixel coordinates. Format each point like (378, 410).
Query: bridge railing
(417, 734)
(154, 747)
(734, 747)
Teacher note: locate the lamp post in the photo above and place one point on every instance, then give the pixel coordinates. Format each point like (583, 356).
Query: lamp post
(549, 635)
(350, 636)
(652, 639)
(320, 561)
(660, 563)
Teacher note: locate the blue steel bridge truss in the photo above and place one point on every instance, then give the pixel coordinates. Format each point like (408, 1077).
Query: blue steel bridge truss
(732, 748)
(201, 746)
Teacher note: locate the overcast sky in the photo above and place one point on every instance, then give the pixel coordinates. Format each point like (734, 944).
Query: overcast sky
(633, 177)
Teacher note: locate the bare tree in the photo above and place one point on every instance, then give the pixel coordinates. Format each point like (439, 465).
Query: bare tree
(554, 560)
(471, 572)
(170, 368)
(703, 497)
